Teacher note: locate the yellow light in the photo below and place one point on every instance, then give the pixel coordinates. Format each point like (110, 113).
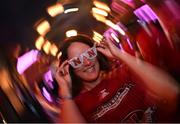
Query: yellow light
(101, 5)
(96, 39)
(53, 49)
(59, 54)
(71, 33)
(99, 11)
(115, 27)
(97, 34)
(99, 17)
(55, 9)
(110, 24)
(46, 47)
(71, 10)
(43, 28)
(39, 42)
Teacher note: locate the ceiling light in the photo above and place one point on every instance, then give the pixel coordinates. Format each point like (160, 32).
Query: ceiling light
(96, 39)
(53, 49)
(71, 10)
(43, 27)
(99, 11)
(71, 33)
(99, 17)
(97, 34)
(39, 42)
(101, 5)
(55, 9)
(46, 47)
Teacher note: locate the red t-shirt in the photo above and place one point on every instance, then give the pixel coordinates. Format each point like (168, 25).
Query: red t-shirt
(116, 99)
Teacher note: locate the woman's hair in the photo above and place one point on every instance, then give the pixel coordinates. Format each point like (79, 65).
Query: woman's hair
(76, 81)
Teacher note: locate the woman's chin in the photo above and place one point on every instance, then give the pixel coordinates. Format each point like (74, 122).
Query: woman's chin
(91, 76)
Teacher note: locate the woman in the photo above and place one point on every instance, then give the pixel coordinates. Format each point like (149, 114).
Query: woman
(133, 92)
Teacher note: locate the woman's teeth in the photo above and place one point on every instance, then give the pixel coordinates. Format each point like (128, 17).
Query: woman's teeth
(91, 69)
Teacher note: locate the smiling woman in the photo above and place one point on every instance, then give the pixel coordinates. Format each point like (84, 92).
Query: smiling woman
(98, 82)
(79, 41)
(94, 93)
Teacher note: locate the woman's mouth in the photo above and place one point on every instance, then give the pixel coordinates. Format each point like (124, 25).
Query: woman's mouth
(90, 69)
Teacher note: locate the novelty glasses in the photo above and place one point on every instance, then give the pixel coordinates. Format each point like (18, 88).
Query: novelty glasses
(90, 54)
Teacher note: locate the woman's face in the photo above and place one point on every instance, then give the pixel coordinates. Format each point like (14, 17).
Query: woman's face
(89, 69)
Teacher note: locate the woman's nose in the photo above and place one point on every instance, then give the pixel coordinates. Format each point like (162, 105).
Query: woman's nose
(86, 61)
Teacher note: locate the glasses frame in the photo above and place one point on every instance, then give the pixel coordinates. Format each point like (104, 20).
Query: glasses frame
(80, 57)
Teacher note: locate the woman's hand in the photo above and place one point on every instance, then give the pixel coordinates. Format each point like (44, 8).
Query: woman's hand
(107, 48)
(64, 80)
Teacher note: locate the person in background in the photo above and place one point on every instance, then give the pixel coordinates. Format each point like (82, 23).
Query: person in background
(91, 91)
(17, 104)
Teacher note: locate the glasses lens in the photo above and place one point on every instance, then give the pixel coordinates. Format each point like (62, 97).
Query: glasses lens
(91, 53)
(75, 62)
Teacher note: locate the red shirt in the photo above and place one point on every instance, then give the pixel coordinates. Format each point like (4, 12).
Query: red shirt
(116, 99)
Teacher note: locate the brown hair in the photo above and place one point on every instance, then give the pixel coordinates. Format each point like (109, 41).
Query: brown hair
(76, 81)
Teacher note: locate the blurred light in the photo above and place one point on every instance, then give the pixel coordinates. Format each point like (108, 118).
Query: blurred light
(48, 79)
(115, 27)
(115, 38)
(129, 3)
(116, 7)
(120, 46)
(145, 13)
(143, 1)
(71, 10)
(39, 42)
(4, 122)
(71, 33)
(129, 43)
(43, 27)
(26, 60)
(55, 9)
(46, 47)
(99, 17)
(97, 34)
(99, 11)
(145, 27)
(101, 5)
(53, 49)
(110, 24)
(59, 54)
(97, 39)
(112, 35)
(46, 94)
